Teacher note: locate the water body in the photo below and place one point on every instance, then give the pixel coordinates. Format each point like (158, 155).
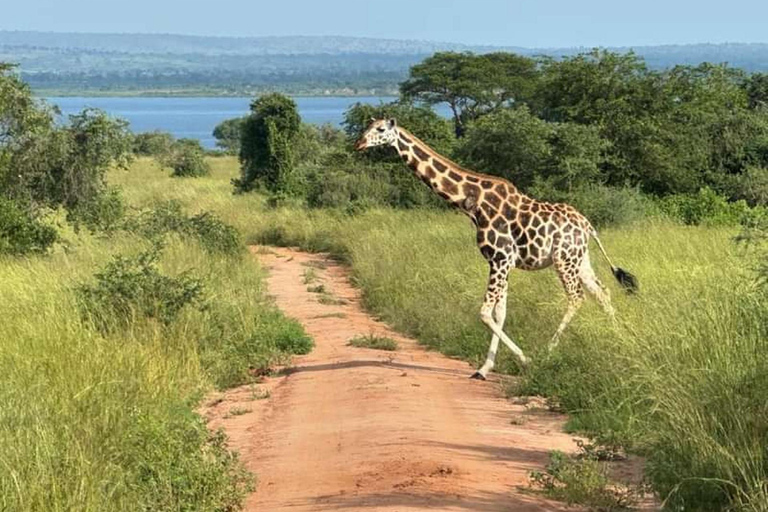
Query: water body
(195, 118)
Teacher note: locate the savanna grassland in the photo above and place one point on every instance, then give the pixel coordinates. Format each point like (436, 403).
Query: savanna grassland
(99, 397)
(680, 380)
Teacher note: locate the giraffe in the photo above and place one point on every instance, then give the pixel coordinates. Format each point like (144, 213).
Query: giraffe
(513, 231)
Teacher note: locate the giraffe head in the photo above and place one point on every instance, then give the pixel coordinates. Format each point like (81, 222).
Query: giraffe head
(380, 132)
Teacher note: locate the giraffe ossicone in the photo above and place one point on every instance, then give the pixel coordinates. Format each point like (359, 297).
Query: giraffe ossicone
(513, 231)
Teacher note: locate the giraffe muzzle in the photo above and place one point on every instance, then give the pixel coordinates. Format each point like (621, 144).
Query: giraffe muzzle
(361, 145)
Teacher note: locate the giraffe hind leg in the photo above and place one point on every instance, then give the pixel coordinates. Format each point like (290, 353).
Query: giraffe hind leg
(596, 288)
(569, 276)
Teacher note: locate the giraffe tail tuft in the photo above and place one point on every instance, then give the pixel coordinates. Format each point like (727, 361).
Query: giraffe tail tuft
(626, 280)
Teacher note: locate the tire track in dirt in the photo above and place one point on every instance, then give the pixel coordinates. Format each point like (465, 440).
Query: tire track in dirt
(357, 429)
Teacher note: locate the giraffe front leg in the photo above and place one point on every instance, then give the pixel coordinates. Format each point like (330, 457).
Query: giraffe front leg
(497, 286)
(499, 315)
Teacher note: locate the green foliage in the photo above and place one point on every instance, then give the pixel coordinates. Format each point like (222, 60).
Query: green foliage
(512, 143)
(214, 235)
(583, 481)
(709, 208)
(602, 205)
(515, 144)
(105, 213)
(156, 143)
(46, 166)
(267, 152)
(20, 233)
(228, 134)
(187, 159)
(133, 287)
(421, 121)
(471, 85)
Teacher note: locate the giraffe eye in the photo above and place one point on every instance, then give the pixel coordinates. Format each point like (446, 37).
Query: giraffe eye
(380, 129)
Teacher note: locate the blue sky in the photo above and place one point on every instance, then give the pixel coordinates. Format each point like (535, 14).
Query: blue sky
(532, 23)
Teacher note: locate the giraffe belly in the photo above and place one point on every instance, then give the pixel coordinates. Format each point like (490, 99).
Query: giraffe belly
(530, 263)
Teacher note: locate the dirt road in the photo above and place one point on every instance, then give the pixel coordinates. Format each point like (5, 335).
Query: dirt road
(359, 429)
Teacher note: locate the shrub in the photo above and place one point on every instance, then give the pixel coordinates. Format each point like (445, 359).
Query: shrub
(156, 143)
(708, 208)
(187, 159)
(21, 233)
(104, 213)
(133, 287)
(602, 205)
(214, 235)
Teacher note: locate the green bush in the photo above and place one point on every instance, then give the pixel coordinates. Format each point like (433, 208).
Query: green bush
(214, 235)
(602, 205)
(708, 208)
(21, 233)
(156, 143)
(104, 213)
(187, 159)
(132, 287)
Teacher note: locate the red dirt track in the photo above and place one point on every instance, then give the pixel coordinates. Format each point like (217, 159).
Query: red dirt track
(357, 429)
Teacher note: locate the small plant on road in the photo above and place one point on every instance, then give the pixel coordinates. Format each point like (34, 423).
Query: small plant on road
(373, 341)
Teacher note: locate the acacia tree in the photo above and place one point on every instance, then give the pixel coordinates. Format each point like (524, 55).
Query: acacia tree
(268, 137)
(472, 85)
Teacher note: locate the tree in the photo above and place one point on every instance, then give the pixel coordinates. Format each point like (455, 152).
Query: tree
(421, 121)
(757, 90)
(45, 165)
(266, 151)
(471, 85)
(228, 134)
(511, 143)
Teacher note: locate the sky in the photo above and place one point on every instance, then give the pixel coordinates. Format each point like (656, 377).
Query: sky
(531, 23)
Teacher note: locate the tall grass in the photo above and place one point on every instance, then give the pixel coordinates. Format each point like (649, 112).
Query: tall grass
(682, 379)
(105, 421)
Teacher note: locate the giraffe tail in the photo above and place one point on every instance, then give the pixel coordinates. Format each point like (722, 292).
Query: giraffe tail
(627, 280)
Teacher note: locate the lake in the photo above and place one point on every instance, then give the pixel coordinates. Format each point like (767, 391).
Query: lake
(195, 118)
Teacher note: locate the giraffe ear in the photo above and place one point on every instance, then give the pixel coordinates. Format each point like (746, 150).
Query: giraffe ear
(392, 122)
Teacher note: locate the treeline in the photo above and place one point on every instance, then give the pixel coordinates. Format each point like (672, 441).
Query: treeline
(600, 130)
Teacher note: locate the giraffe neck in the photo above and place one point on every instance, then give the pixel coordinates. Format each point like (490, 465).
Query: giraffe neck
(463, 189)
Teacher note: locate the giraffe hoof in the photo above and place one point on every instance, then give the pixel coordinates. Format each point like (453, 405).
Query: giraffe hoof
(477, 376)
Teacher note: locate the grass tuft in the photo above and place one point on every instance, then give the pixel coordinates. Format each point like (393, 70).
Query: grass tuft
(373, 341)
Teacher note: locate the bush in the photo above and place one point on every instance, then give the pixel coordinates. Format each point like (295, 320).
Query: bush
(21, 233)
(187, 159)
(154, 143)
(266, 150)
(214, 235)
(228, 134)
(104, 213)
(602, 205)
(708, 208)
(132, 287)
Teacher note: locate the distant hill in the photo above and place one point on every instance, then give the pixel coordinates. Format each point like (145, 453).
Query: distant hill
(165, 63)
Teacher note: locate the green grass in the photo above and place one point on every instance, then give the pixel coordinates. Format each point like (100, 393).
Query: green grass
(96, 420)
(681, 380)
(374, 342)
